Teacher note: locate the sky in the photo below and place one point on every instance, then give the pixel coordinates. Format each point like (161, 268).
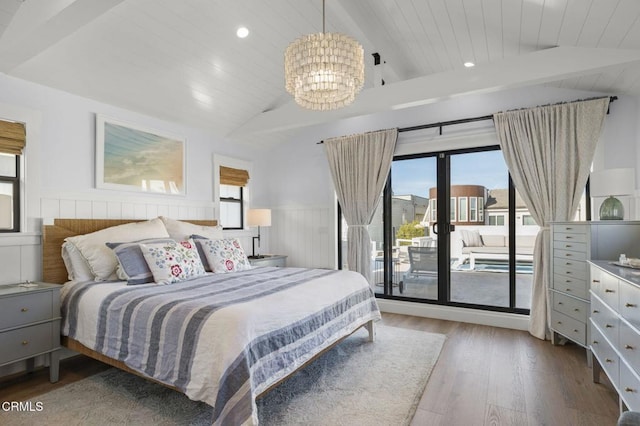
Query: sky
(416, 176)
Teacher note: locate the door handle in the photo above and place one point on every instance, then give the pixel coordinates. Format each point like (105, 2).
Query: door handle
(434, 228)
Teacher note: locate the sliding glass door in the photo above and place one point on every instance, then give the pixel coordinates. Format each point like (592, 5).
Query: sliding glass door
(452, 230)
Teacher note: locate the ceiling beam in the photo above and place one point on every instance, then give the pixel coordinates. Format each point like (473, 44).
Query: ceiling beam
(539, 67)
(39, 24)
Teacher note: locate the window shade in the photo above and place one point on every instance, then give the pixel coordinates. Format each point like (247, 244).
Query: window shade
(236, 177)
(12, 137)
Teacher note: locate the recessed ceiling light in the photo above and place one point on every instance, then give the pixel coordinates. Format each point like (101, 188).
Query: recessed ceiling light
(469, 64)
(242, 32)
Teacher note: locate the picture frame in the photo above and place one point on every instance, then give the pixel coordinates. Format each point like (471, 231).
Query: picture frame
(133, 158)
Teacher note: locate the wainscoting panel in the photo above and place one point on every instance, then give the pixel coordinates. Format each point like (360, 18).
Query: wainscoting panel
(304, 234)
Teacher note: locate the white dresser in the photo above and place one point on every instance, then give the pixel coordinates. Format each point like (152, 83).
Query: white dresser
(615, 329)
(572, 245)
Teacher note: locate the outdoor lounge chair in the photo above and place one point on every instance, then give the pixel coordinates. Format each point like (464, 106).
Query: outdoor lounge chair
(423, 266)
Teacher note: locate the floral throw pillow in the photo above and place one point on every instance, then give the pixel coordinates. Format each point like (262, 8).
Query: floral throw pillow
(172, 262)
(225, 255)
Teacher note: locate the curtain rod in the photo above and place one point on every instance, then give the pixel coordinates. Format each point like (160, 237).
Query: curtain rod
(442, 124)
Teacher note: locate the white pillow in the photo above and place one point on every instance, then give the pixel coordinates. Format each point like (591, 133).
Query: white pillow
(172, 262)
(182, 231)
(101, 259)
(225, 255)
(470, 238)
(77, 266)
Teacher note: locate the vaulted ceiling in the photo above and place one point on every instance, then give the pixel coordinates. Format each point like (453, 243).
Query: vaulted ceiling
(181, 60)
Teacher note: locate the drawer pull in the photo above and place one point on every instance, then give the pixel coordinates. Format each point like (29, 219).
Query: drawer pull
(24, 309)
(25, 342)
(568, 272)
(608, 326)
(608, 360)
(595, 311)
(576, 310)
(630, 305)
(569, 237)
(595, 281)
(568, 254)
(567, 281)
(627, 389)
(608, 290)
(568, 289)
(560, 303)
(628, 347)
(559, 322)
(567, 263)
(575, 331)
(595, 342)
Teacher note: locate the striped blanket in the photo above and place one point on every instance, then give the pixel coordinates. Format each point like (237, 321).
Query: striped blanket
(223, 338)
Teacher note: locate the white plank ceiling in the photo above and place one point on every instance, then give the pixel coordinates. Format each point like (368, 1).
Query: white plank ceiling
(180, 60)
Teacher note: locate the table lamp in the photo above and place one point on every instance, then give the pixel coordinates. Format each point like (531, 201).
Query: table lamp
(611, 183)
(258, 217)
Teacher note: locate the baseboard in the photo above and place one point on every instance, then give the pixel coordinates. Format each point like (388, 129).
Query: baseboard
(451, 313)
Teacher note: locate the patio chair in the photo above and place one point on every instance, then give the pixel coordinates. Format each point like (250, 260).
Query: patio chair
(423, 266)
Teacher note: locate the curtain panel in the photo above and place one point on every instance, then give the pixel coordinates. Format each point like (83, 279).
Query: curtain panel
(359, 167)
(549, 151)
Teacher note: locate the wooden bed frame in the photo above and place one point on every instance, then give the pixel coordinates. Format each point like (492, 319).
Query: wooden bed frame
(54, 271)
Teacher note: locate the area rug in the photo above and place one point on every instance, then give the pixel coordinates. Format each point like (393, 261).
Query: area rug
(355, 383)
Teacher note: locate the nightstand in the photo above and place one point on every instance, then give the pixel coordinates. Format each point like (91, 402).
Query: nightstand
(30, 324)
(269, 260)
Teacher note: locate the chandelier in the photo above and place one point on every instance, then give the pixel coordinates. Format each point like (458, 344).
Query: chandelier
(324, 71)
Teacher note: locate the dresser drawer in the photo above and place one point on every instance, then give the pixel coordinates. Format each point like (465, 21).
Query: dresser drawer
(575, 308)
(570, 228)
(570, 255)
(570, 285)
(568, 244)
(579, 265)
(25, 342)
(606, 320)
(569, 327)
(606, 288)
(570, 268)
(607, 357)
(629, 387)
(629, 298)
(25, 309)
(629, 346)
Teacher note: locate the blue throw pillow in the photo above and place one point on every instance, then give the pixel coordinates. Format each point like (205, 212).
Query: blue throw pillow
(133, 266)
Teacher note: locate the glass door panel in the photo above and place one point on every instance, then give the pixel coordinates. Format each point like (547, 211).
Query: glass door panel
(479, 248)
(414, 265)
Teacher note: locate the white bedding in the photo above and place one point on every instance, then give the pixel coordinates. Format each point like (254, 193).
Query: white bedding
(244, 343)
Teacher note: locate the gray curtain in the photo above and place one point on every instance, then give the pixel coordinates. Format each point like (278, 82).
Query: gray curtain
(549, 151)
(359, 167)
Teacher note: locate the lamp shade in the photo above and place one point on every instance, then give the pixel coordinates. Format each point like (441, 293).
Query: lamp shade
(259, 217)
(605, 183)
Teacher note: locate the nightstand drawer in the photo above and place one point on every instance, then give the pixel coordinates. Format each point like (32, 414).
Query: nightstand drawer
(570, 229)
(606, 320)
(629, 298)
(269, 260)
(25, 342)
(570, 238)
(25, 309)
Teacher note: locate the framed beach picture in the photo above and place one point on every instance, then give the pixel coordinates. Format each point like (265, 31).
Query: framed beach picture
(131, 158)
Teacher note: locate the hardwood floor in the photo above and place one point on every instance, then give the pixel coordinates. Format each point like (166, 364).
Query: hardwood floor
(484, 376)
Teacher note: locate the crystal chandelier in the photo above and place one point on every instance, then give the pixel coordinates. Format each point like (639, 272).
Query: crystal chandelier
(324, 71)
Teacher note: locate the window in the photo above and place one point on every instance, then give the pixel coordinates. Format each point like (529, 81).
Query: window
(473, 209)
(12, 142)
(527, 220)
(462, 213)
(434, 209)
(496, 219)
(480, 209)
(453, 209)
(232, 197)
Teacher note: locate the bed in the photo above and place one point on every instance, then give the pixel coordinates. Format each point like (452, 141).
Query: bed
(225, 339)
